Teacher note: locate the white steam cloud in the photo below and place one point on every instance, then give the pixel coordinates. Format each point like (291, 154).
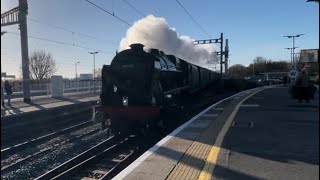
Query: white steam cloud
(154, 32)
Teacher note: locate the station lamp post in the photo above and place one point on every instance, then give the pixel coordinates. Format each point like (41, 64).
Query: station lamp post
(253, 69)
(94, 69)
(291, 54)
(76, 69)
(2, 88)
(293, 47)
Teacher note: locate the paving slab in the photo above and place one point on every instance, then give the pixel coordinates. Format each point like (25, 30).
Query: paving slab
(46, 104)
(184, 154)
(270, 136)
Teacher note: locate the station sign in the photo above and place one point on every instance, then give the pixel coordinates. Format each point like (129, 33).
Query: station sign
(10, 76)
(293, 73)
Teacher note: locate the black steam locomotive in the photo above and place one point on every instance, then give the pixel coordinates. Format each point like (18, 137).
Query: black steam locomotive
(138, 85)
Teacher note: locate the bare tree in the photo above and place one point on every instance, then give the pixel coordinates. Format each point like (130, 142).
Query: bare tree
(42, 65)
(260, 60)
(237, 71)
(98, 73)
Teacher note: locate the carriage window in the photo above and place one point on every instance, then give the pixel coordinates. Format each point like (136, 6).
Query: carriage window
(163, 64)
(157, 64)
(169, 65)
(177, 63)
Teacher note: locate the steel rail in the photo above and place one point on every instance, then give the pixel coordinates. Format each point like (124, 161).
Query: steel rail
(78, 159)
(17, 147)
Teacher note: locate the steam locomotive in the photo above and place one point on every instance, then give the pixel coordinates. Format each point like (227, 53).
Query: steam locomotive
(138, 85)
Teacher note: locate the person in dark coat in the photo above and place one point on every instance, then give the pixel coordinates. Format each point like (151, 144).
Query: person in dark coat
(8, 89)
(303, 83)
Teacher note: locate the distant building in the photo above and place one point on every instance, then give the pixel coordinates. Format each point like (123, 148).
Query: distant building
(309, 56)
(85, 77)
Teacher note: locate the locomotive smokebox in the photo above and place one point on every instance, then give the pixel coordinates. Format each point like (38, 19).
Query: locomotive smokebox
(137, 47)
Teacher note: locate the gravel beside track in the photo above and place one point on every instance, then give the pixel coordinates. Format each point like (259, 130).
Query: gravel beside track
(35, 166)
(31, 151)
(101, 164)
(17, 134)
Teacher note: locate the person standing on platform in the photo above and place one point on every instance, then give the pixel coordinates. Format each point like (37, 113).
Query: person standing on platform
(8, 89)
(2, 93)
(285, 80)
(302, 83)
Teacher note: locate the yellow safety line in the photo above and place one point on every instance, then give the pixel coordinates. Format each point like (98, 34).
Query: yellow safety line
(210, 163)
(206, 172)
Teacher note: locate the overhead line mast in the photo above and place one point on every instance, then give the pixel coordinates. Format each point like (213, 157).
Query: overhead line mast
(221, 53)
(18, 15)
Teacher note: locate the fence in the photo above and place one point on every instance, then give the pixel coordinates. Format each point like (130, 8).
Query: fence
(81, 86)
(70, 86)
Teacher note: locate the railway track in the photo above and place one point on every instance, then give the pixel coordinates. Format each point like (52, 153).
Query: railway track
(31, 162)
(97, 162)
(104, 164)
(13, 134)
(14, 149)
(101, 162)
(15, 165)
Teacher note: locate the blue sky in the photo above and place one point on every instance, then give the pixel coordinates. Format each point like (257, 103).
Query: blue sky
(253, 27)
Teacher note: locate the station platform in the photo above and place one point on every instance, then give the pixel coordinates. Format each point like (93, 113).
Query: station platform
(256, 134)
(44, 103)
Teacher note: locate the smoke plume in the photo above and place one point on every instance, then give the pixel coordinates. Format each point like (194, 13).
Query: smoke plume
(154, 32)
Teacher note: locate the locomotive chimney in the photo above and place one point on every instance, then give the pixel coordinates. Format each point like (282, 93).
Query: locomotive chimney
(137, 47)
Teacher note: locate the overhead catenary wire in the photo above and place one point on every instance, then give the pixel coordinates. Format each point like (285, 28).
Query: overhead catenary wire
(54, 41)
(118, 18)
(60, 58)
(54, 26)
(139, 12)
(13, 61)
(65, 29)
(204, 31)
(59, 42)
(18, 58)
(111, 14)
